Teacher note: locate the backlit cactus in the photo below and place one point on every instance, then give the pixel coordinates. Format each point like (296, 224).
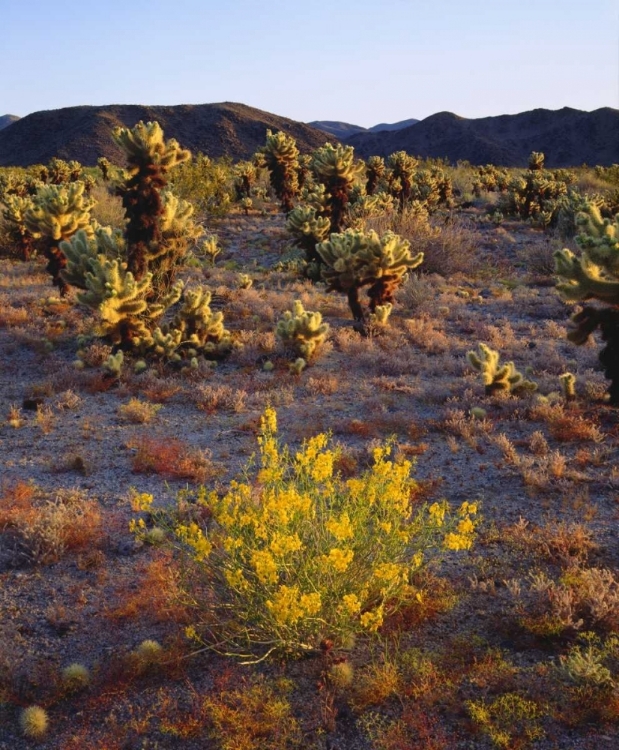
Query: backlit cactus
(281, 158)
(400, 176)
(594, 275)
(149, 158)
(374, 170)
(56, 214)
(14, 212)
(301, 330)
(353, 260)
(335, 168)
(496, 377)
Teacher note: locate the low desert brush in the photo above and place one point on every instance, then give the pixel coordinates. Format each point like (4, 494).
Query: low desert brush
(297, 554)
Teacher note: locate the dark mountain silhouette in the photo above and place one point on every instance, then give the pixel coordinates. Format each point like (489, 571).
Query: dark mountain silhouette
(568, 137)
(6, 120)
(342, 130)
(84, 133)
(393, 126)
(339, 130)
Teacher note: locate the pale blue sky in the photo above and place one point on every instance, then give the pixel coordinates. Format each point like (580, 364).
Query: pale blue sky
(352, 60)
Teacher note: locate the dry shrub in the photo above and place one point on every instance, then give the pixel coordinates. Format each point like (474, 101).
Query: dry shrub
(376, 685)
(211, 398)
(582, 599)
(153, 594)
(423, 332)
(449, 245)
(108, 210)
(171, 458)
(566, 426)
(138, 412)
(415, 292)
(158, 390)
(253, 716)
(46, 527)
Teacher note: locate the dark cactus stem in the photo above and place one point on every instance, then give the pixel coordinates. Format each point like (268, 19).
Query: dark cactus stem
(56, 261)
(371, 184)
(609, 356)
(405, 193)
(382, 291)
(337, 205)
(355, 305)
(142, 203)
(280, 180)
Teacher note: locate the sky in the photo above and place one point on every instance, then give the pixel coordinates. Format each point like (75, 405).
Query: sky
(355, 61)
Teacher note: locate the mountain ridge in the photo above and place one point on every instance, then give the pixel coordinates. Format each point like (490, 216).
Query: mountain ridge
(84, 133)
(568, 137)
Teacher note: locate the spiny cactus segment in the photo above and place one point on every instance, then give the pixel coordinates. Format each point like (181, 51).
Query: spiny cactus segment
(497, 377)
(594, 275)
(302, 330)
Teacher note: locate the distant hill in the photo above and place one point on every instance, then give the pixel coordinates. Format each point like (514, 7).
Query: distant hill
(342, 130)
(393, 126)
(339, 130)
(84, 133)
(6, 120)
(568, 137)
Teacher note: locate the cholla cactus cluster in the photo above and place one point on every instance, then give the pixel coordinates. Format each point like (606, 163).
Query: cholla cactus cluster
(594, 275)
(336, 169)
(130, 280)
(302, 330)
(280, 155)
(355, 259)
(496, 377)
(56, 214)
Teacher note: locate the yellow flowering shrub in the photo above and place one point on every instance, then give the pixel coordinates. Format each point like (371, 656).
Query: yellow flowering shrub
(297, 554)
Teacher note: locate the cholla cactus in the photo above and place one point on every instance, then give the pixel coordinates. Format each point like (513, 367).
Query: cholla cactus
(374, 170)
(400, 176)
(57, 213)
(496, 377)
(308, 227)
(568, 385)
(210, 247)
(536, 161)
(113, 365)
(355, 259)
(149, 159)
(281, 157)
(594, 275)
(14, 214)
(104, 166)
(336, 169)
(245, 174)
(302, 330)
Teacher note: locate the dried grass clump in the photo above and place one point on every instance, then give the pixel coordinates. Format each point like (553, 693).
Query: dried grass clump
(212, 398)
(46, 527)
(171, 458)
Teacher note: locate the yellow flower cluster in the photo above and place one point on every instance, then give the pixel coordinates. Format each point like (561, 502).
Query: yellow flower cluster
(141, 501)
(340, 559)
(341, 528)
(373, 619)
(462, 538)
(193, 536)
(283, 544)
(298, 527)
(265, 566)
(288, 607)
